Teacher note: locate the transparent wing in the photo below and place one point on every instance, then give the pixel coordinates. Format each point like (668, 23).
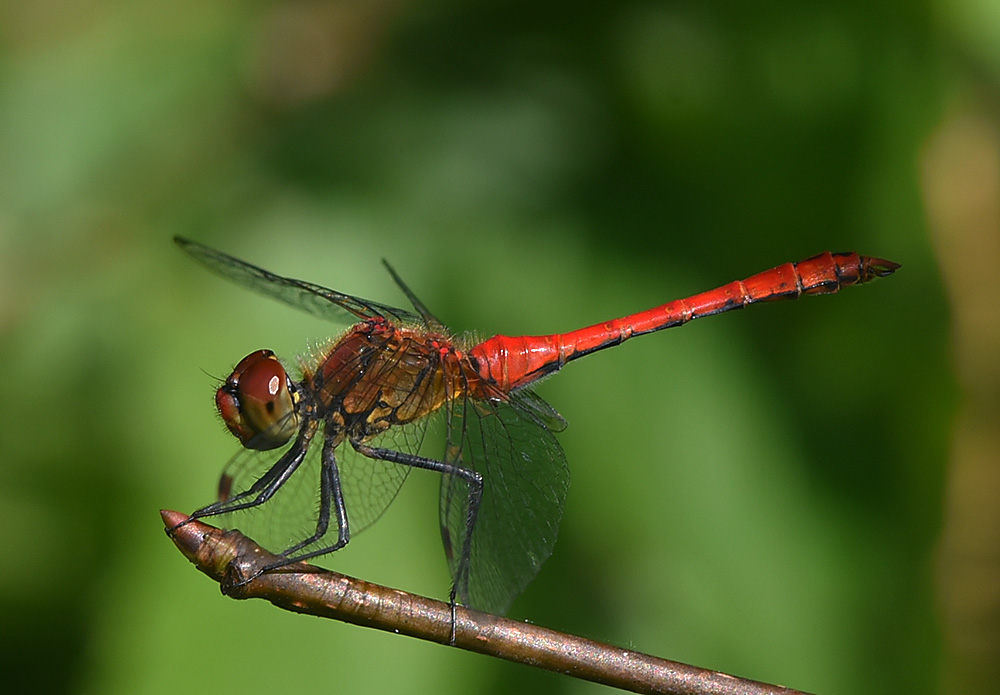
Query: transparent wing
(525, 480)
(369, 486)
(290, 515)
(314, 299)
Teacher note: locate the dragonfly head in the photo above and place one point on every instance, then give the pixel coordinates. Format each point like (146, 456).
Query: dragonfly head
(259, 402)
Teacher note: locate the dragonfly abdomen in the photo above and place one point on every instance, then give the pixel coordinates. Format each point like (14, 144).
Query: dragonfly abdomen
(512, 362)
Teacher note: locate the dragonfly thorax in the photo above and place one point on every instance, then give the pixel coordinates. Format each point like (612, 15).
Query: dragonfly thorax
(379, 375)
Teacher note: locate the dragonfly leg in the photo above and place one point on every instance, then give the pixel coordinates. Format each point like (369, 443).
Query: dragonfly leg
(475, 483)
(265, 487)
(330, 494)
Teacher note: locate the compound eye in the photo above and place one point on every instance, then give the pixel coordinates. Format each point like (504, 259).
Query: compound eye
(259, 402)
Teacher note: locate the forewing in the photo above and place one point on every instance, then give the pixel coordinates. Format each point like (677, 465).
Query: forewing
(525, 480)
(309, 297)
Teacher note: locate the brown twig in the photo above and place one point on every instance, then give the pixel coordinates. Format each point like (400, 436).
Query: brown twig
(229, 556)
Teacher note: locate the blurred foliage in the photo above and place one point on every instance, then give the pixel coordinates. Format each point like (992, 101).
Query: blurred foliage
(762, 494)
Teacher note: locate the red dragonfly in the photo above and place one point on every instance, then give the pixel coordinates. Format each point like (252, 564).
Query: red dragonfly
(351, 427)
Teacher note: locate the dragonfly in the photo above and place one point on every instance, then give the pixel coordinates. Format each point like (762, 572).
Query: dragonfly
(324, 454)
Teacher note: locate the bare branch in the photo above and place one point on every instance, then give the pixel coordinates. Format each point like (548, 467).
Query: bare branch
(229, 556)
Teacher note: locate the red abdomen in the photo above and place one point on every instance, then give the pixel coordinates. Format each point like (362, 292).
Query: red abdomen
(511, 362)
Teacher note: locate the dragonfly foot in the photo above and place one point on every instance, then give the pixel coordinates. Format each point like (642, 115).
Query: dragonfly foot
(170, 529)
(239, 573)
(452, 603)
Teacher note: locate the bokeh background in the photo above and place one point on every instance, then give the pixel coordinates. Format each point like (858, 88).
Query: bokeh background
(798, 493)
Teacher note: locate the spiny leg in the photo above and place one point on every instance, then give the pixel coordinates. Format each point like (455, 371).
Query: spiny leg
(265, 487)
(472, 478)
(330, 494)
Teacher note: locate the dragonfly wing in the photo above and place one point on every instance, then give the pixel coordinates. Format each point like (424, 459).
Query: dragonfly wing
(290, 515)
(528, 401)
(525, 480)
(368, 485)
(309, 297)
(429, 319)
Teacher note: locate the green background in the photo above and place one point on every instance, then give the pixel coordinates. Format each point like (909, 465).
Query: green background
(762, 494)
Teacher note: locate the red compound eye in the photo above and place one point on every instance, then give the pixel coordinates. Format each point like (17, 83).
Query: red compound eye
(258, 402)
